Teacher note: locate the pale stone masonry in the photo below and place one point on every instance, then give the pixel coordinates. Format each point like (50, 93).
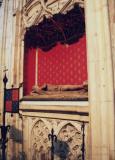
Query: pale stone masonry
(100, 124)
(101, 84)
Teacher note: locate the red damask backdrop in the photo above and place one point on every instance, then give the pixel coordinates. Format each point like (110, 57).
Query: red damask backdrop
(61, 65)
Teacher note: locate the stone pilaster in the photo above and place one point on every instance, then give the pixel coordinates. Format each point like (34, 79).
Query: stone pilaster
(100, 81)
(3, 24)
(111, 4)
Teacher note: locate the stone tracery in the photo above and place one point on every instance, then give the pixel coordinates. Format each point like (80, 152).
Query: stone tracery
(34, 11)
(40, 143)
(73, 138)
(68, 146)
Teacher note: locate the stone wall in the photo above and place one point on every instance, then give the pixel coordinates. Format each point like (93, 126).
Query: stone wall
(112, 30)
(100, 81)
(100, 49)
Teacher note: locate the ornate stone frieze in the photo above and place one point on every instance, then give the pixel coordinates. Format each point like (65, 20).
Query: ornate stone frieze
(35, 10)
(69, 140)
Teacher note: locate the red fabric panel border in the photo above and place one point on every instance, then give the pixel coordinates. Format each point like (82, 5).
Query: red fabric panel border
(29, 70)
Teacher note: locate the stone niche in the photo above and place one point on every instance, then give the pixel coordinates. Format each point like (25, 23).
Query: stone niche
(65, 117)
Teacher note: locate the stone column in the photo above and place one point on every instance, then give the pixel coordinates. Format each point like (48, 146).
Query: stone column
(25, 145)
(3, 27)
(112, 29)
(100, 81)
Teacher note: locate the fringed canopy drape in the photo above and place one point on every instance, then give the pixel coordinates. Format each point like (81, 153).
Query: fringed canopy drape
(64, 28)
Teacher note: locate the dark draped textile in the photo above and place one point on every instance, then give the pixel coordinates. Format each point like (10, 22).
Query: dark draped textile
(61, 28)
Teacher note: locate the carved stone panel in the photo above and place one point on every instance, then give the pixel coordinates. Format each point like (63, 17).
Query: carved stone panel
(69, 143)
(40, 145)
(69, 140)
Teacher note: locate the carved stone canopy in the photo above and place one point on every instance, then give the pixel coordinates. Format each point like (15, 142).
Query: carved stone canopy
(35, 10)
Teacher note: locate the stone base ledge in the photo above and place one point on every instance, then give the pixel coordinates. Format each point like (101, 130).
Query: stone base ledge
(64, 110)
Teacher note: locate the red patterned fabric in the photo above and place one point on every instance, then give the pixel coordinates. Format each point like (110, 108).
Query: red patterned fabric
(61, 65)
(29, 70)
